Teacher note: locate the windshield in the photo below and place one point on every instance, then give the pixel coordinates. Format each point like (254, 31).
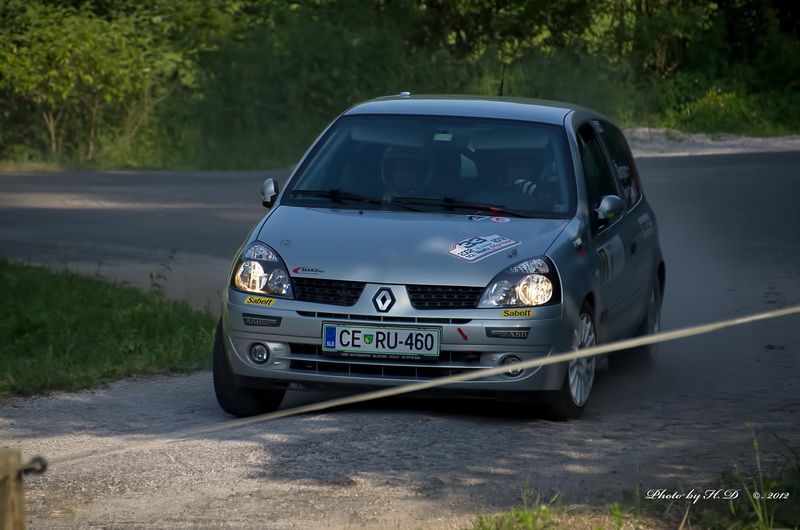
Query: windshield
(432, 163)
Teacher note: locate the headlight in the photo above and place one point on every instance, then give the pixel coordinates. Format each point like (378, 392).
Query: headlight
(260, 270)
(528, 283)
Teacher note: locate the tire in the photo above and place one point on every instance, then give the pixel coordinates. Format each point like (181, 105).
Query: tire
(642, 358)
(234, 399)
(571, 400)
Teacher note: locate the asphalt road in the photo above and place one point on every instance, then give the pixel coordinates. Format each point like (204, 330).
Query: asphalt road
(730, 232)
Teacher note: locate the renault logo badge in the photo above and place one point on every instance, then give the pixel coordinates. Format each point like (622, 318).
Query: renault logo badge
(383, 300)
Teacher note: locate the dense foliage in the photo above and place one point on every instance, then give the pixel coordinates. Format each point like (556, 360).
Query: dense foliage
(248, 83)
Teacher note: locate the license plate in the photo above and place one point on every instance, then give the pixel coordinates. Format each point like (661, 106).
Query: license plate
(380, 341)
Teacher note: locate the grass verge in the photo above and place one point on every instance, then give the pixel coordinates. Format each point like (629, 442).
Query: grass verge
(12, 166)
(738, 499)
(62, 331)
(533, 514)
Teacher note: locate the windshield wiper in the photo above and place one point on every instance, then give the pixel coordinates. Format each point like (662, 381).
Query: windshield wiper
(336, 195)
(340, 197)
(451, 203)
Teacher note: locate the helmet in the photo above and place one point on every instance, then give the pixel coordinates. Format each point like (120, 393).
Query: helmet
(405, 169)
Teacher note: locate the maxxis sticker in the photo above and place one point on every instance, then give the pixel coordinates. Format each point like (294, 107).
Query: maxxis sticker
(477, 248)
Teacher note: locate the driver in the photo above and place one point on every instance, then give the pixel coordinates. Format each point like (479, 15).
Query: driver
(519, 172)
(404, 170)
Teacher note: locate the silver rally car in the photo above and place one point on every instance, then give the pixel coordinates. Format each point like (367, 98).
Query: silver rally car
(423, 236)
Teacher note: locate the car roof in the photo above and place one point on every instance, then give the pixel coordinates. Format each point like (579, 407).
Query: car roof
(542, 111)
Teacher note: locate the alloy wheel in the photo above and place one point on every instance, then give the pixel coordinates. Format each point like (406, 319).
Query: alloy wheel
(581, 371)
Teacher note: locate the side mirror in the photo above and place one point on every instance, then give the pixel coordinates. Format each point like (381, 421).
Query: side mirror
(269, 192)
(610, 208)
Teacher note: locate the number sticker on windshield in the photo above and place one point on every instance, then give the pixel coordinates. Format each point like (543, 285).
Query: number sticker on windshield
(475, 249)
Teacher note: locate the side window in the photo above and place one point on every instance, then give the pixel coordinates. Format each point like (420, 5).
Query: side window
(599, 180)
(623, 159)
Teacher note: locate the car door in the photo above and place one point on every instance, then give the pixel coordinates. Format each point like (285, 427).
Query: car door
(639, 222)
(610, 243)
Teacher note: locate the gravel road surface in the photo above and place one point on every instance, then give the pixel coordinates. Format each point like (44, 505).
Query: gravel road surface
(730, 230)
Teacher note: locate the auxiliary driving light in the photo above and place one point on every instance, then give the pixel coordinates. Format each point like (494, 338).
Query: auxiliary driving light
(259, 353)
(511, 359)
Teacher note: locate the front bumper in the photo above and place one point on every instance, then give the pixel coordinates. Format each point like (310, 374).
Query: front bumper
(292, 330)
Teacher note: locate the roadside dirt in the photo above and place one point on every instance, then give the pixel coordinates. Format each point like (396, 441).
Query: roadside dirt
(650, 142)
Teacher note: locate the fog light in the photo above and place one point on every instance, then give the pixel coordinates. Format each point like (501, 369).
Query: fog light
(259, 353)
(511, 359)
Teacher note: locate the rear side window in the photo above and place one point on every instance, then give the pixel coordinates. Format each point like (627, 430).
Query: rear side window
(599, 180)
(622, 158)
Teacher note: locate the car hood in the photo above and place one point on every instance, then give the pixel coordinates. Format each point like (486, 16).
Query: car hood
(400, 247)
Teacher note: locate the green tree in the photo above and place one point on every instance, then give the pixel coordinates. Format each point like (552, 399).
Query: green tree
(74, 67)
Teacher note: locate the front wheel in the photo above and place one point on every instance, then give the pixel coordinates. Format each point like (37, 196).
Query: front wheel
(234, 399)
(579, 379)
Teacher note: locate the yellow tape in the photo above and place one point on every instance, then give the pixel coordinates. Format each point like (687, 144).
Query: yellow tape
(467, 376)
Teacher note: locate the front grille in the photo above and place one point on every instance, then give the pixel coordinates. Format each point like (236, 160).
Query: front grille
(310, 358)
(383, 318)
(333, 292)
(375, 370)
(444, 296)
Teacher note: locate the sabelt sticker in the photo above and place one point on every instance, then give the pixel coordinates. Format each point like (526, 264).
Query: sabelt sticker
(500, 219)
(259, 300)
(509, 313)
(475, 249)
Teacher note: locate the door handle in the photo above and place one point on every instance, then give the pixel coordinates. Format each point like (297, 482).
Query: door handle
(633, 249)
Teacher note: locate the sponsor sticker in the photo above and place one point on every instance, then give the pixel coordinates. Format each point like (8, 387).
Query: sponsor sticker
(508, 333)
(307, 270)
(578, 244)
(494, 219)
(507, 313)
(603, 263)
(646, 224)
(260, 320)
(477, 248)
(259, 300)
(612, 258)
